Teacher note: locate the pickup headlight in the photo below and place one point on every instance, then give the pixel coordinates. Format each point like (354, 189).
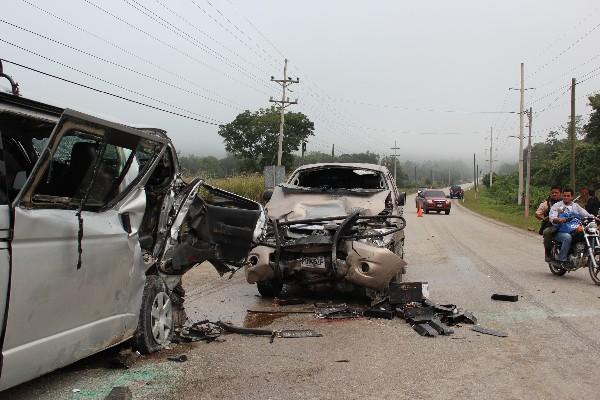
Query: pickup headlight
(261, 226)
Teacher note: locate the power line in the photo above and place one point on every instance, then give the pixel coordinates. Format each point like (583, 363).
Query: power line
(189, 38)
(113, 63)
(195, 27)
(174, 48)
(124, 50)
(104, 80)
(108, 93)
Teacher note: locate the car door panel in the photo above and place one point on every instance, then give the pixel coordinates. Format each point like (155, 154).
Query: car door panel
(59, 313)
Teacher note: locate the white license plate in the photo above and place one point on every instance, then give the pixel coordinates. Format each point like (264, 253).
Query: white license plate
(313, 262)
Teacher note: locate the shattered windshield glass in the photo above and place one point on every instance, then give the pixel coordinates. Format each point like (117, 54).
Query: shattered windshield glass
(340, 178)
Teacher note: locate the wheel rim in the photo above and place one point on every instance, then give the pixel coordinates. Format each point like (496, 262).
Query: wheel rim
(161, 318)
(594, 272)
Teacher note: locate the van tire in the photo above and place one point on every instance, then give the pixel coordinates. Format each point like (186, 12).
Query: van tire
(155, 299)
(271, 288)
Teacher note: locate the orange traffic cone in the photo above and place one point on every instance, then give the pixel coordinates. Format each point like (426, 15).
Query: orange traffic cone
(420, 212)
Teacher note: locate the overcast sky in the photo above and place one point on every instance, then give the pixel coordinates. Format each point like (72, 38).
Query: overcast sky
(430, 75)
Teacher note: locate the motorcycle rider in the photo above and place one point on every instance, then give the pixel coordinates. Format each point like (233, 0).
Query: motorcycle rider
(558, 216)
(547, 230)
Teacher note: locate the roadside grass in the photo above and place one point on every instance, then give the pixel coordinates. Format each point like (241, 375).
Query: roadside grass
(482, 203)
(251, 186)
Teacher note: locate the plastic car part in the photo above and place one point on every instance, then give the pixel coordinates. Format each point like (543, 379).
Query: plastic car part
(487, 331)
(505, 297)
(425, 330)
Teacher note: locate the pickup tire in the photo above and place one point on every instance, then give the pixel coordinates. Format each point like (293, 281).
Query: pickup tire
(447, 212)
(155, 324)
(270, 288)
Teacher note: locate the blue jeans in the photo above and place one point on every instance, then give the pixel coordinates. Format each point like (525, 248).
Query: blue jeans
(565, 239)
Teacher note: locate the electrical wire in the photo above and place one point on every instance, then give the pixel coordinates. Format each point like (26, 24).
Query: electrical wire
(114, 63)
(108, 93)
(172, 47)
(126, 51)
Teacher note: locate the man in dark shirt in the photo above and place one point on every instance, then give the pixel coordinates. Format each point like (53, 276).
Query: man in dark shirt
(593, 204)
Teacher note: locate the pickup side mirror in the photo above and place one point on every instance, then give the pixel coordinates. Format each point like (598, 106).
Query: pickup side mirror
(266, 196)
(402, 198)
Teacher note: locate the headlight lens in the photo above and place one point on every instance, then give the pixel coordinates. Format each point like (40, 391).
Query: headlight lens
(261, 225)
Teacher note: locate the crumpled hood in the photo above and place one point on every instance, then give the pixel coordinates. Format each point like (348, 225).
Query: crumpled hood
(293, 206)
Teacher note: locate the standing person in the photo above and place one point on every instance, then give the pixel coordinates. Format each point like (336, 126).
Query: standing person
(559, 215)
(584, 197)
(546, 228)
(593, 204)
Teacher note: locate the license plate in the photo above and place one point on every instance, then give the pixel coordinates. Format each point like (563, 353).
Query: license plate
(440, 205)
(313, 262)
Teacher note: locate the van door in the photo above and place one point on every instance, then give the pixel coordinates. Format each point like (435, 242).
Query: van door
(73, 260)
(4, 244)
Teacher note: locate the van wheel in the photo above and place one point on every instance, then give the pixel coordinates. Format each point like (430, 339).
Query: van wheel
(155, 325)
(270, 288)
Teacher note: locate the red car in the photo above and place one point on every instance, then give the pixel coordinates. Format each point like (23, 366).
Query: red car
(433, 200)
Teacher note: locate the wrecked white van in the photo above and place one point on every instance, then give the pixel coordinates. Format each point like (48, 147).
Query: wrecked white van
(96, 229)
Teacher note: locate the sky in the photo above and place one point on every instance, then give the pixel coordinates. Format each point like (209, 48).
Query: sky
(431, 78)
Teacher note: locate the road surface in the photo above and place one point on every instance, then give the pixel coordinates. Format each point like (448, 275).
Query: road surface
(552, 350)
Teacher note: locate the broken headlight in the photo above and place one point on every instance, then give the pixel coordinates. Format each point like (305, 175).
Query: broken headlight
(261, 226)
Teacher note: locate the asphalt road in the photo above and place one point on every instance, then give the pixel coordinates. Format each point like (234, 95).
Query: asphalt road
(552, 349)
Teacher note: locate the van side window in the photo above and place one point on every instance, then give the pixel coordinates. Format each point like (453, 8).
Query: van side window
(75, 169)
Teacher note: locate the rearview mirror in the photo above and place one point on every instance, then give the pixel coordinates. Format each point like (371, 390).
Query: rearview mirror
(402, 198)
(266, 196)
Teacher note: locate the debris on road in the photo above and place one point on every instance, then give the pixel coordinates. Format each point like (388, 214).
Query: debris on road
(488, 331)
(336, 311)
(505, 297)
(124, 359)
(119, 393)
(408, 292)
(283, 333)
(425, 330)
(199, 331)
(180, 358)
(288, 302)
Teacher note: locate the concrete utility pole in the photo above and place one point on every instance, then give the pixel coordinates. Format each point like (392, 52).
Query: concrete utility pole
(283, 103)
(491, 157)
(521, 123)
(395, 155)
(333, 151)
(572, 134)
(528, 179)
(474, 173)
(416, 184)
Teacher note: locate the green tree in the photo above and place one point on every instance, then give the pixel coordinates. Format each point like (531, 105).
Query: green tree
(592, 128)
(253, 137)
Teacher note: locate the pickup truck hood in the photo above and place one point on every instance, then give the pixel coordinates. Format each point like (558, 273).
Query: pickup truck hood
(293, 206)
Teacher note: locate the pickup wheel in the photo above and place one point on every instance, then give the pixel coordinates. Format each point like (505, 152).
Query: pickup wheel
(155, 325)
(447, 212)
(270, 288)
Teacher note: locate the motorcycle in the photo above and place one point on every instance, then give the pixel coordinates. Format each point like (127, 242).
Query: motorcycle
(584, 251)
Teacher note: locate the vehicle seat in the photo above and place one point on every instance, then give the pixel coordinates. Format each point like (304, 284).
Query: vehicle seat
(83, 158)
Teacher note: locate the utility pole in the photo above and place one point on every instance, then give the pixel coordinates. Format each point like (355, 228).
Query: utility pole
(572, 134)
(395, 155)
(448, 176)
(474, 173)
(528, 179)
(283, 103)
(416, 184)
(332, 152)
(491, 156)
(521, 123)
(477, 179)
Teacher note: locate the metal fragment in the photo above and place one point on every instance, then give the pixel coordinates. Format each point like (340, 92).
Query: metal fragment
(487, 331)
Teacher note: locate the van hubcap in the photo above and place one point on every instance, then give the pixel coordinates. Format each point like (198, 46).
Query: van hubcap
(162, 318)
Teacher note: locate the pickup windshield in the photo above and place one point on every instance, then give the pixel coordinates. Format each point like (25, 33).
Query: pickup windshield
(434, 193)
(340, 178)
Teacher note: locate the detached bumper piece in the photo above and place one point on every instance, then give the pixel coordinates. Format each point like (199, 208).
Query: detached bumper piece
(505, 297)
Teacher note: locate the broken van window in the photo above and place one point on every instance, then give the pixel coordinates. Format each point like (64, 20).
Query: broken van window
(71, 169)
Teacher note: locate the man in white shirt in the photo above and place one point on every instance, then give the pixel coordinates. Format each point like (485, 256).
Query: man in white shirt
(562, 207)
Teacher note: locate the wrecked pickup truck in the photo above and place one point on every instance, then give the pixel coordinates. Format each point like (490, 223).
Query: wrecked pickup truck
(334, 226)
(96, 229)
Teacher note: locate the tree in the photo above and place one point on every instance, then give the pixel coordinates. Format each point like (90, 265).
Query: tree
(592, 128)
(254, 137)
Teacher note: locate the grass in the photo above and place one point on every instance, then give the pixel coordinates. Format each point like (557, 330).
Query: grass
(251, 186)
(482, 203)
